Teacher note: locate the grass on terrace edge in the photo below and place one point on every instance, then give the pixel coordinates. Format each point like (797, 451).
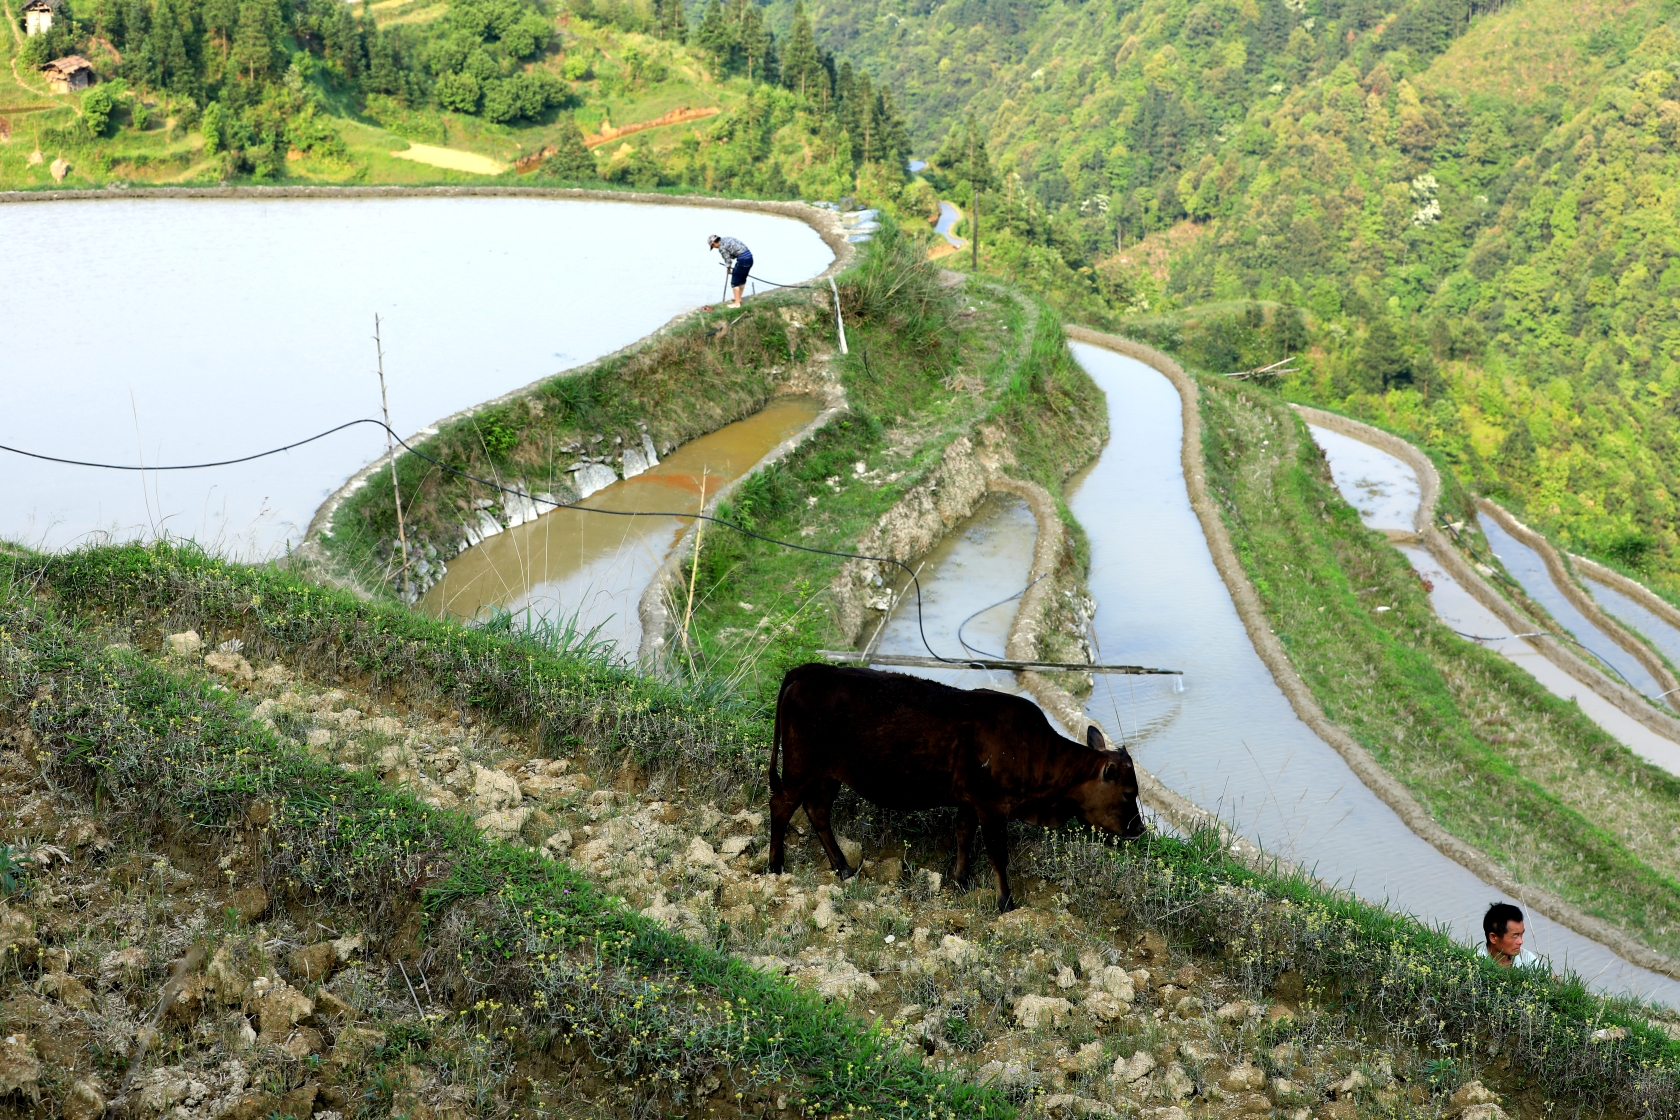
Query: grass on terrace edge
(657, 1011)
(114, 718)
(1032, 397)
(1460, 725)
(681, 384)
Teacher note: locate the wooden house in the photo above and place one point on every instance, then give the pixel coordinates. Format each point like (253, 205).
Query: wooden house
(38, 16)
(72, 72)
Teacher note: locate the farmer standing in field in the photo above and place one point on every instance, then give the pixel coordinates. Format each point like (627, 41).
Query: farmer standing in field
(1502, 927)
(738, 258)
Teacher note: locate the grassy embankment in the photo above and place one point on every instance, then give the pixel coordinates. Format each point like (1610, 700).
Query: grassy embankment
(929, 367)
(680, 385)
(1503, 764)
(537, 953)
(564, 985)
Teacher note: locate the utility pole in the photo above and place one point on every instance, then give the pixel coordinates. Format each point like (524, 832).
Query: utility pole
(391, 453)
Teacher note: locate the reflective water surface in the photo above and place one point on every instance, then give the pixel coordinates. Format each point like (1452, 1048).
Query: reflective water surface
(968, 580)
(1382, 488)
(570, 564)
(949, 216)
(1634, 616)
(1230, 741)
(191, 330)
(1469, 619)
(1526, 566)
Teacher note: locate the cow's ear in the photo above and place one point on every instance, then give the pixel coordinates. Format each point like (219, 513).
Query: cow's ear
(1094, 738)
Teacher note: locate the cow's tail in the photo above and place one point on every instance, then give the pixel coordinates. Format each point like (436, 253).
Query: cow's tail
(776, 738)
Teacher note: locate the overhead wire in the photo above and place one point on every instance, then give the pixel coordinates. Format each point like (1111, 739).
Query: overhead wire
(1564, 635)
(915, 582)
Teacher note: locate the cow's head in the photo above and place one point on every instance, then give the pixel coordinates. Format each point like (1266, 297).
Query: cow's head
(1110, 800)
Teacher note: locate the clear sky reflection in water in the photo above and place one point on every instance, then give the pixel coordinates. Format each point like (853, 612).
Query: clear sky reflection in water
(1230, 741)
(197, 330)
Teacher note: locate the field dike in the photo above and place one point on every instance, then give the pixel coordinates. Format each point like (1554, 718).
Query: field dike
(1523, 822)
(1395, 795)
(561, 437)
(1556, 650)
(1026, 643)
(415, 869)
(1583, 602)
(1632, 588)
(949, 389)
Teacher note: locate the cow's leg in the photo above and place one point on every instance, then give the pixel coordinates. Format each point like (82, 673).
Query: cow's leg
(995, 831)
(966, 823)
(782, 805)
(816, 807)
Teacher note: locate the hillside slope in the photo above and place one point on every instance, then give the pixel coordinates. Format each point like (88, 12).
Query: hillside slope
(411, 91)
(1470, 203)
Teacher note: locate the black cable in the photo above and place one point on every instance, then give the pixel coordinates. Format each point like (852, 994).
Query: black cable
(188, 466)
(983, 610)
(921, 629)
(772, 283)
(1565, 636)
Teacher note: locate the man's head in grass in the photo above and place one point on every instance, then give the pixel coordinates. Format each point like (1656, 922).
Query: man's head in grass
(1502, 925)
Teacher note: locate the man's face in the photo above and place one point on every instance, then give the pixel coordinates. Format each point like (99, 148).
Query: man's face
(1509, 943)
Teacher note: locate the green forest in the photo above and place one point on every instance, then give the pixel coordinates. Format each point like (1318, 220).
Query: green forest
(1461, 214)
(1458, 215)
(262, 82)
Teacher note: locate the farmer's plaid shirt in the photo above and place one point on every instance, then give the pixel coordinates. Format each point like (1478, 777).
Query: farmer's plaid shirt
(731, 248)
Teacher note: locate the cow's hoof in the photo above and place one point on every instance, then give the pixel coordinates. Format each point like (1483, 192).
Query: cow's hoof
(846, 873)
(1006, 904)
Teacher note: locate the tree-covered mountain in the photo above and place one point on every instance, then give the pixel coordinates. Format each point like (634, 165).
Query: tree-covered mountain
(1469, 207)
(1463, 211)
(273, 89)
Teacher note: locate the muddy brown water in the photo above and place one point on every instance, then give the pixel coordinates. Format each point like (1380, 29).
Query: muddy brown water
(590, 569)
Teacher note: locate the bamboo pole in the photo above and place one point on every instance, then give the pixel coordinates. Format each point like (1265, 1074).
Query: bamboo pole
(391, 453)
(694, 573)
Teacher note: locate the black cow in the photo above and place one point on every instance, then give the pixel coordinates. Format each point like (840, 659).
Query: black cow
(907, 743)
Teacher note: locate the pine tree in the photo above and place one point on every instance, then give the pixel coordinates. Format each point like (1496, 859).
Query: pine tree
(1384, 356)
(220, 19)
(716, 36)
(801, 67)
(168, 49)
(571, 161)
(753, 41)
(669, 22)
(256, 38)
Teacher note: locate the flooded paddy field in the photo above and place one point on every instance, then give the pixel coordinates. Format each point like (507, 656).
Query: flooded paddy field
(1529, 570)
(1637, 616)
(200, 330)
(1229, 741)
(1223, 735)
(589, 570)
(1360, 470)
